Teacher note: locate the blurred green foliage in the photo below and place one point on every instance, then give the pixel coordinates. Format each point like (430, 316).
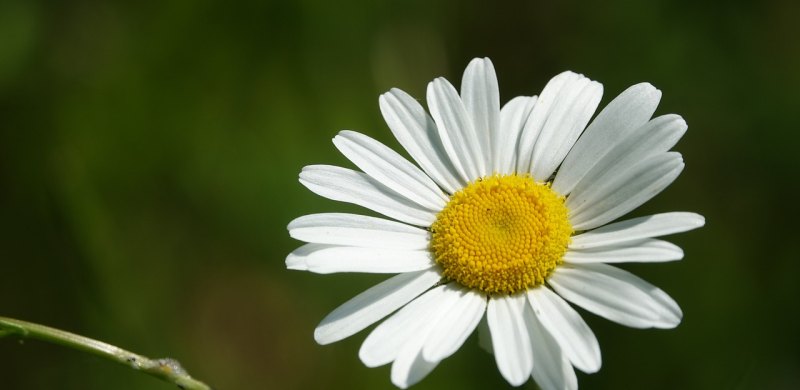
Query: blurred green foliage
(149, 154)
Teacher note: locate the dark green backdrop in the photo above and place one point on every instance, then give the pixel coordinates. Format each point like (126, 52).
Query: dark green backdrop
(149, 156)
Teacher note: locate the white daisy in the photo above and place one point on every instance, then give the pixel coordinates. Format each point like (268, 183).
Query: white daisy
(506, 219)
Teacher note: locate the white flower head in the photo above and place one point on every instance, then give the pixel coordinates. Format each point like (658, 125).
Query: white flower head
(506, 216)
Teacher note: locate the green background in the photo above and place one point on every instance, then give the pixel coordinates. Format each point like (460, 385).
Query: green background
(149, 155)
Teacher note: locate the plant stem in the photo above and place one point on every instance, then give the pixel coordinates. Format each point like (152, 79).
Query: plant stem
(168, 370)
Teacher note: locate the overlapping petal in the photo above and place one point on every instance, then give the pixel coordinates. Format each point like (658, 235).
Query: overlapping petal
(631, 109)
(604, 199)
(358, 230)
(326, 259)
(481, 97)
(456, 131)
(567, 327)
(510, 338)
(347, 185)
(622, 232)
(390, 169)
(417, 133)
(385, 342)
(373, 304)
(411, 366)
(455, 325)
(647, 250)
(616, 295)
(552, 369)
(571, 111)
(653, 138)
(538, 117)
(513, 117)
(561, 113)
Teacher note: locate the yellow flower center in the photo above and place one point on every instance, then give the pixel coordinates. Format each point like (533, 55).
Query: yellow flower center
(501, 234)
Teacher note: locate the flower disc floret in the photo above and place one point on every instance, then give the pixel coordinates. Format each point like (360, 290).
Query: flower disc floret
(501, 234)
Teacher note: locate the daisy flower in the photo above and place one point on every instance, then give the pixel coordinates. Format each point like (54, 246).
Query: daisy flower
(506, 218)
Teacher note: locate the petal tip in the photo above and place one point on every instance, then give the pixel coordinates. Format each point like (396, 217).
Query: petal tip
(671, 318)
(367, 359)
(671, 322)
(700, 221)
(295, 263)
(322, 337)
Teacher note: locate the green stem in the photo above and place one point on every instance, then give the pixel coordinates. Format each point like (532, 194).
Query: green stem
(168, 370)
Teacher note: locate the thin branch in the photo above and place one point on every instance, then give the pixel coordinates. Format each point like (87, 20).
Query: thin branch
(168, 370)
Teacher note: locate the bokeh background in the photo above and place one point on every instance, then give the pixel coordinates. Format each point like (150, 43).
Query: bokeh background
(149, 154)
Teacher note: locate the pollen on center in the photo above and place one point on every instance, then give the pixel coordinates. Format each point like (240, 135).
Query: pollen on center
(501, 234)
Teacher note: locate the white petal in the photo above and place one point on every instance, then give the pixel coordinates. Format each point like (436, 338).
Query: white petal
(455, 326)
(417, 132)
(506, 137)
(410, 367)
(567, 327)
(510, 338)
(631, 109)
(331, 259)
(357, 230)
(485, 336)
(390, 169)
(647, 250)
(637, 229)
(654, 138)
(551, 369)
(296, 263)
(481, 97)
(373, 304)
(571, 111)
(455, 129)
(347, 185)
(606, 201)
(297, 259)
(538, 118)
(388, 338)
(616, 295)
